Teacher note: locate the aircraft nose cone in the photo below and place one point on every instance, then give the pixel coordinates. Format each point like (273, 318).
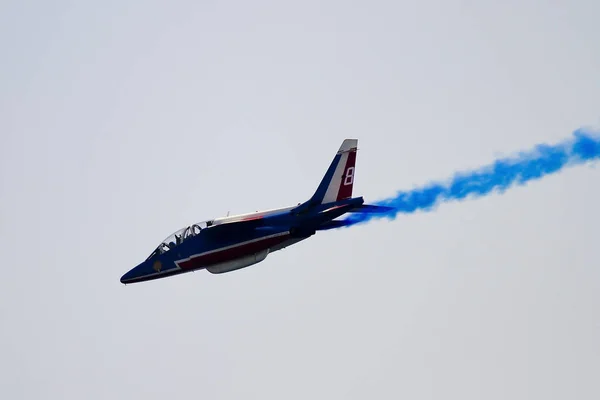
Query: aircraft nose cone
(132, 275)
(142, 272)
(127, 277)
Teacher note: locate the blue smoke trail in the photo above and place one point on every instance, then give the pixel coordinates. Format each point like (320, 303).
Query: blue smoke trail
(499, 176)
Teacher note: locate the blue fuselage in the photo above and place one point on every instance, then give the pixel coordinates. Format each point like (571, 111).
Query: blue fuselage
(233, 245)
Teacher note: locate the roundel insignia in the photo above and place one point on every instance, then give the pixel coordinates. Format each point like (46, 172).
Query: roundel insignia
(157, 266)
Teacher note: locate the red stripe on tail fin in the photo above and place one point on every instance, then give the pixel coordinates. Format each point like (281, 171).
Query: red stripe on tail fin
(347, 182)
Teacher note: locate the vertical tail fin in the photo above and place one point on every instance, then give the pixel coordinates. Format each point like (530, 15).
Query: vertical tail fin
(338, 181)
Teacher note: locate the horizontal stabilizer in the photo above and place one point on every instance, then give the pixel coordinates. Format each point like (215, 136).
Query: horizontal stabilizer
(333, 225)
(371, 209)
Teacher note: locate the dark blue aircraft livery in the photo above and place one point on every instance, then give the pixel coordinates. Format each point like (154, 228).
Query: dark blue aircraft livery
(230, 243)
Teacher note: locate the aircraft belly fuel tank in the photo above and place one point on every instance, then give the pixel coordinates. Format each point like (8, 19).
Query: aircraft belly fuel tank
(238, 263)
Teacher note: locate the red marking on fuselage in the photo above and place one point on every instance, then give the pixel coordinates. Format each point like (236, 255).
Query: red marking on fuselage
(250, 218)
(228, 254)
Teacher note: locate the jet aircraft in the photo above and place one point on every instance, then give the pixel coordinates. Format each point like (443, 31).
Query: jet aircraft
(230, 243)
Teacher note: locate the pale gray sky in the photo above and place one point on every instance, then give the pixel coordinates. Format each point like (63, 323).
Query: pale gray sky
(124, 121)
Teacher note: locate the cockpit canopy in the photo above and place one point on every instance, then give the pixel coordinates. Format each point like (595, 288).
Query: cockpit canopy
(179, 237)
